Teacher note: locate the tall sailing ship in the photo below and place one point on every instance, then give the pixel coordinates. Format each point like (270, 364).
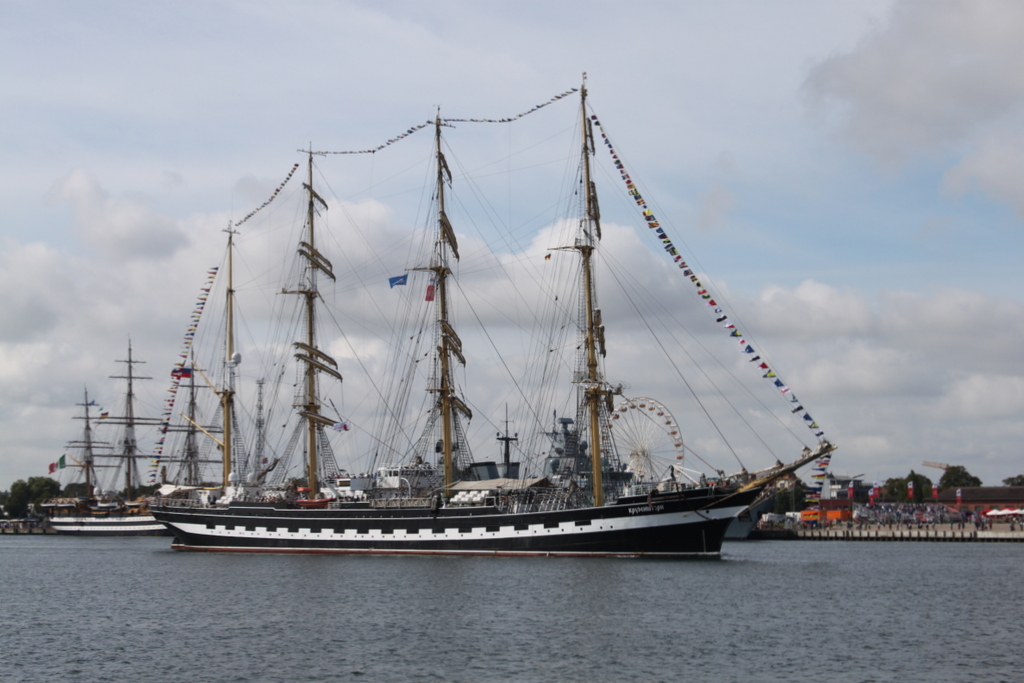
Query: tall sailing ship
(576, 496)
(100, 510)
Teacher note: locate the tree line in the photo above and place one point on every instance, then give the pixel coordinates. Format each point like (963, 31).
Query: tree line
(25, 495)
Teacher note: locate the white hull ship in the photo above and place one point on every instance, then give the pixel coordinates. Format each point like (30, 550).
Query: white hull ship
(439, 501)
(96, 513)
(106, 524)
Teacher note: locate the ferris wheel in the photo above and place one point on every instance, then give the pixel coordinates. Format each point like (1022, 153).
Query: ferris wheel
(647, 430)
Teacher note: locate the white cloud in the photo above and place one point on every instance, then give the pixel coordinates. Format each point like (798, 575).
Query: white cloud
(908, 377)
(26, 271)
(934, 73)
(715, 205)
(993, 165)
(814, 309)
(940, 81)
(984, 396)
(123, 228)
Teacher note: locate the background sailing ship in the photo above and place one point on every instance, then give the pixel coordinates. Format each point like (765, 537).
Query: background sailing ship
(423, 456)
(95, 503)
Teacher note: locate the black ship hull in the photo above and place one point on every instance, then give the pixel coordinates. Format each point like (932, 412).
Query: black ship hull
(688, 523)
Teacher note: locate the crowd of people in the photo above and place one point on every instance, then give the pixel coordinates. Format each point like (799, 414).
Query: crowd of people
(896, 517)
(20, 526)
(919, 516)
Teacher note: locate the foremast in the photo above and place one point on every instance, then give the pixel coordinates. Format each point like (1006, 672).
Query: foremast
(88, 463)
(312, 359)
(595, 390)
(449, 347)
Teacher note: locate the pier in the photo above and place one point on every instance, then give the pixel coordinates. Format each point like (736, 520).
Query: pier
(23, 528)
(884, 533)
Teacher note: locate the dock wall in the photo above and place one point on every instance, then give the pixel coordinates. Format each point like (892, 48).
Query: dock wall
(887, 534)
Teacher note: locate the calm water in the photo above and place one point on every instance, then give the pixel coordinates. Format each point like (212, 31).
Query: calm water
(131, 609)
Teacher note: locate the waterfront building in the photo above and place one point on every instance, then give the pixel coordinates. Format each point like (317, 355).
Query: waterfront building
(981, 498)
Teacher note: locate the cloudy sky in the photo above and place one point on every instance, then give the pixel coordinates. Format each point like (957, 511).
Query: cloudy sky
(848, 173)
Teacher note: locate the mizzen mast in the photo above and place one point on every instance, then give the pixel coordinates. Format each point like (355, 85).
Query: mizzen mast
(231, 360)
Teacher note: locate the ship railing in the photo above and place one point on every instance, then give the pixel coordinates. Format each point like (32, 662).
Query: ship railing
(395, 503)
(514, 502)
(559, 500)
(344, 502)
(179, 503)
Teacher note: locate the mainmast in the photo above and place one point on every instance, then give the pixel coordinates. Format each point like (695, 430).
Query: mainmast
(449, 343)
(314, 359)
(130, 448)
(596, 390)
